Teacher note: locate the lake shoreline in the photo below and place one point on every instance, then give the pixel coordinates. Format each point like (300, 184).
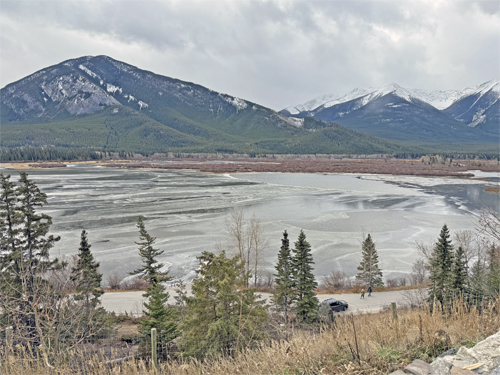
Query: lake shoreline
(309, 164)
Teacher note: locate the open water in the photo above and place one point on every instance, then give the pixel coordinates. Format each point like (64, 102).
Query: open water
(186, 212)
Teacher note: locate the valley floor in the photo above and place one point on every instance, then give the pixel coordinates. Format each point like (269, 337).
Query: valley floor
(290, 164)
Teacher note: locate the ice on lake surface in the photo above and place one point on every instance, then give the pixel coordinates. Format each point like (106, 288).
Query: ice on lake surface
(186, 211)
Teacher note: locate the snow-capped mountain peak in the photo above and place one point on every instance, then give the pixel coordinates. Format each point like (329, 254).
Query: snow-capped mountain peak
(439, 99)
(394, 89)
(364, 94)
(493, 85)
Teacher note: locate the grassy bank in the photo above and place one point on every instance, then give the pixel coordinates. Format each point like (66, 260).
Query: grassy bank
(360, 344)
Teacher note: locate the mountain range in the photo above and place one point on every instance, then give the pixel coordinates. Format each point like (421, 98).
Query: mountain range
(393, 112)
(96, 102)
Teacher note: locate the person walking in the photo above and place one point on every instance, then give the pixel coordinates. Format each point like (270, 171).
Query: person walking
(369, 291)
(362, 293)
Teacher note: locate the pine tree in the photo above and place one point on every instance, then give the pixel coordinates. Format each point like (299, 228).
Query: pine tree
(441, 269)
(86, 275)
(369, 271)
(222, 315)
(304, 281)
(158, 315)
(459, 274)
(284, 294)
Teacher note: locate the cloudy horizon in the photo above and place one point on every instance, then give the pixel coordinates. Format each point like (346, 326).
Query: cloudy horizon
(274, 53)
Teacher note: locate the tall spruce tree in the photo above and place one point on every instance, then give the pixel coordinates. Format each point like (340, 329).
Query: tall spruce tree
(158, 315)
(10, 250)
(303, 280)
(478, 283)
(222, 315)
(24, 258)
(10, 219)
(284, 294)
(493, 259)
(86, 276)
(35, 246)
(10, 235)
(441, 269)
(369, 271)
(459, 275)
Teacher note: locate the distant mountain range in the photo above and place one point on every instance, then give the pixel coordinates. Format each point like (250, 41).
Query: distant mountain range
(103, 104)
(393, 112)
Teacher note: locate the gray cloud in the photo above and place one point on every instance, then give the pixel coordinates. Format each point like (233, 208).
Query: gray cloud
(275, 53)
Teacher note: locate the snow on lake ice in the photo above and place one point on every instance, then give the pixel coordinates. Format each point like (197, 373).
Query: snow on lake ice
(186, 212)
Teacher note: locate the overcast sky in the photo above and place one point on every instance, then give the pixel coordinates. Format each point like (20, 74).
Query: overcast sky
(275, 53)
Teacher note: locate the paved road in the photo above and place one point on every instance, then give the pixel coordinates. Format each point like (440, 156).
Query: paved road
(131, 302)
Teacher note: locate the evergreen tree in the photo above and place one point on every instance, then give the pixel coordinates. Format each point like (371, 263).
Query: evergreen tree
(441, 269)
(369, 271)
(478, 281)
(158, 315)
(493, 257)
(151, 268)
(222, 315)
(10, 219)
(284, 293)
(24, 258)
(86, 275)
(10, 236)
(34, 245)
(304, 281)
(459, 274)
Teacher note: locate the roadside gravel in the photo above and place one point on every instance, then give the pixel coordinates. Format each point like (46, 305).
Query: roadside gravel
(132, 302)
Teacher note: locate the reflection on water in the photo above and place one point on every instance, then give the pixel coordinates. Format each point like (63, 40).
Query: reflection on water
(186, 212)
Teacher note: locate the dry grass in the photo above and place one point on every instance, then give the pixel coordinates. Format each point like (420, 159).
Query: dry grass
(493, 189)
(361, 344)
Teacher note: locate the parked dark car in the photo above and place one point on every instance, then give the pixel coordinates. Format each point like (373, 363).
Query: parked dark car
(336, 304)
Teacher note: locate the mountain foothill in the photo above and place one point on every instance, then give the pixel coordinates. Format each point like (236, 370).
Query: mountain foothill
(103, 104)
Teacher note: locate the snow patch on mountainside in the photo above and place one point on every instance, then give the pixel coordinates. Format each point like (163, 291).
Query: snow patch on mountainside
(112, 88)
(294, 121)
(240, 104)
(89, 72)
(73, 93)
(439, 99)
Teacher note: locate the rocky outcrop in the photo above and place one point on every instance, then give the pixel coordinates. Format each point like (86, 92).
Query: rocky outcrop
(483, 358)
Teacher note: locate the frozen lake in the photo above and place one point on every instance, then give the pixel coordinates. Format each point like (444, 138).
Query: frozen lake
(186, 212)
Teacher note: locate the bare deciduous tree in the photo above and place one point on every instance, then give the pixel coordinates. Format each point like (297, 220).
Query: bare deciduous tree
(418, 272)
(60, 323)
(113, 281)
(336, 280)
(489, 226)
(468, 241)
(256, 243)
(247, 240)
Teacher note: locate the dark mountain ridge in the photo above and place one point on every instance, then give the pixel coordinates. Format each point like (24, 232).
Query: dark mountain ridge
(105, 104)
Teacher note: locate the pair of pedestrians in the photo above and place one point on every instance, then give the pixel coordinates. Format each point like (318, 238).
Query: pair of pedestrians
(369, 292)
